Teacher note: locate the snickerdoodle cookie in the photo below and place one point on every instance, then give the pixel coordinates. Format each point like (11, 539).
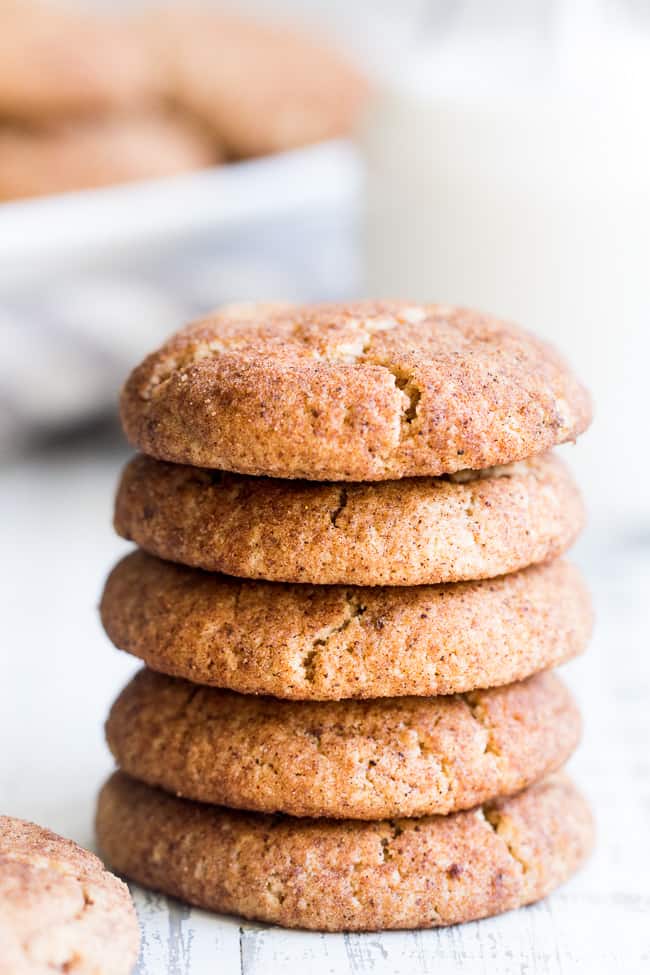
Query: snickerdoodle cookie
(347, 875)
(57, 59)
(99, 152)
(60, 909)
(262, 88)
(358, 392)
(407, 756)
(470, 525)
(333, 642)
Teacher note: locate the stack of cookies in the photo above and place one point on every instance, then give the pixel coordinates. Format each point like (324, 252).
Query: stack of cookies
(348, 594)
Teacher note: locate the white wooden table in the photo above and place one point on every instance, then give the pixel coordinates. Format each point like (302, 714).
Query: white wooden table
(59, 675)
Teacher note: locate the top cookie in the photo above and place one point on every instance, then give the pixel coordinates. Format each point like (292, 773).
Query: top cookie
(358, 392)
(60, 910)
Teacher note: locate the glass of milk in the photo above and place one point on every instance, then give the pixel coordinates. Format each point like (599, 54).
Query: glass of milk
(508, 169)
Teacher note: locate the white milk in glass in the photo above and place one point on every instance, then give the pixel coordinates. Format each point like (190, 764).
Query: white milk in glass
(509, 170)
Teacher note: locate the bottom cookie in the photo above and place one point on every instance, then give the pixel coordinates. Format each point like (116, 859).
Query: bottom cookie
(348, 875)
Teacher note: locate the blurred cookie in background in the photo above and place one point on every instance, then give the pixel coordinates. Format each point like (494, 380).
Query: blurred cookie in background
(60, 60)
(261, 88)
(85, 98)
(93, 152)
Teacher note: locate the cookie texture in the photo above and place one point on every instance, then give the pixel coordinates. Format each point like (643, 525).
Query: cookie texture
(261, 88)
(331, 642)
(342, 759)
(59, 60)
(60, 909)
(366, 391)
(99, 152)
(346, 875)
(472, 525)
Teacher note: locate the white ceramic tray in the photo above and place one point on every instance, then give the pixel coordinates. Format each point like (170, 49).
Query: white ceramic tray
(42, 235)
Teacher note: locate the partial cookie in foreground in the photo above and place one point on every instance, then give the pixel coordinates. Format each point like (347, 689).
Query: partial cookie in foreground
(359, 392)
(60, 909)
(331, 642)
(59, 60)
(471, 525)
(342, 759)
(261, 88)
(99, 152)
(345, 875)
